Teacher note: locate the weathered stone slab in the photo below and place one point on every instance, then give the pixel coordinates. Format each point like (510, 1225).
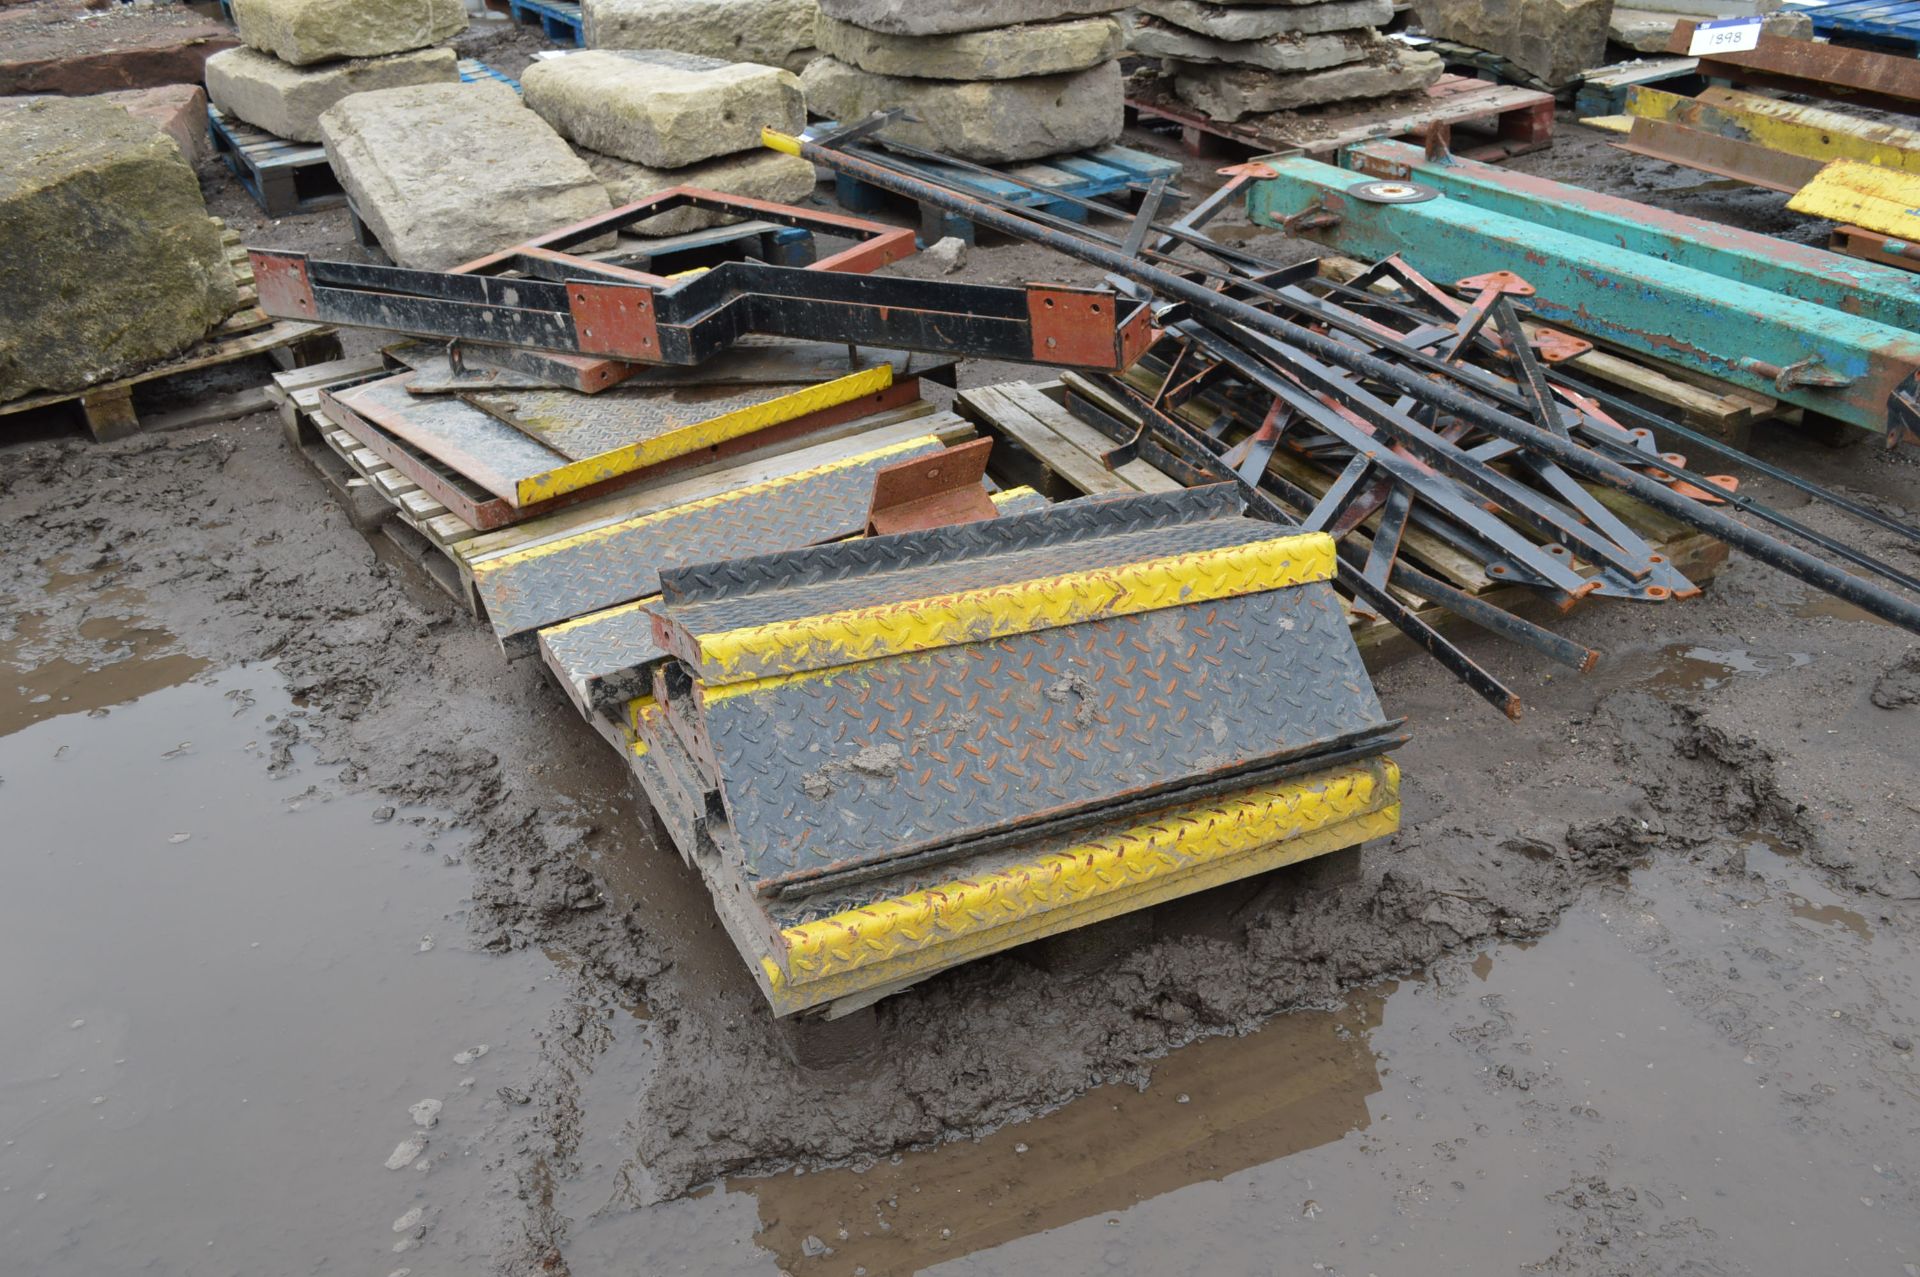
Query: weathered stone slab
(984, 120)
(1003, 53)
(111, 262)
(143, 54)
(1553, 39)
(1156, 38)
(1227, 93)
(760, 175)
(308, 31)
(178, 110)
(1648, 30)
(445, 173)
(943, 17)
(287, 100)
(1224, 22)
(661, 108)
(764, 31)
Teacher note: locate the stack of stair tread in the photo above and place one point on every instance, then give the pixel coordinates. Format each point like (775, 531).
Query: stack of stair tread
(991, 82)
(853, 705)
(1248, 59)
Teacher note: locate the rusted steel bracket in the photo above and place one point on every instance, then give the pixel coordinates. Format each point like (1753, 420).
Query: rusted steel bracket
(932, 492)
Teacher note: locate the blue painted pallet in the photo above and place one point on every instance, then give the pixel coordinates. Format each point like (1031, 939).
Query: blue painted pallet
(472, 69)
(560, 19)
(1880, 22)
(1095, 174)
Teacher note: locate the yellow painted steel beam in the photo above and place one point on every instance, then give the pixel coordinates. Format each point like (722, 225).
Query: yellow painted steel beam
(1862, 195)
(899, 940)
(970, 616)
(1807, 132)
(748, 493)
(699, 435)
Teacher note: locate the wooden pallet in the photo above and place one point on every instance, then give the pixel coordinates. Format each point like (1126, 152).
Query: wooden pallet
(1039, 444)
(109, 410)
(283, 177)
(1520, 120)
(559, 19)
(1694, 553)
(287, 178)
(1114, 173)
(1603, 90)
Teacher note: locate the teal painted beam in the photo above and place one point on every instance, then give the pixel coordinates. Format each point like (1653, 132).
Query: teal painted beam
(1834, 363)
(1884, 294)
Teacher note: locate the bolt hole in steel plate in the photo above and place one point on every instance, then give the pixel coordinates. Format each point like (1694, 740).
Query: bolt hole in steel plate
(1393, 192)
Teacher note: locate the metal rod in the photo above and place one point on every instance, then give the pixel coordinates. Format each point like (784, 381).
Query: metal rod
(1582, 461)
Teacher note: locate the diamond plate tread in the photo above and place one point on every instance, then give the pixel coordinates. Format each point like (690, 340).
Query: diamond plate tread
(610, 654)
(855, 766)
(1020, 500)
(1065, 522)
(622, 430)
(474, 443)
(607, 654)
(601, 567)
(877, 614)
(1179, 851)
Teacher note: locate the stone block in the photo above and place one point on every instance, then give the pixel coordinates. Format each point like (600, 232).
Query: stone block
(1227, 93)
(660, 108)
(1649, 30)
(445, 173)
(985, 120)
(111, 262)
(178, 110)
(307, 31)
(943, 17)
(760, 175)
(169, 48)
(287, 101)
(1223, 22)
(1553, 39)
(1160, 39)
(765, 31)
(1002, 53)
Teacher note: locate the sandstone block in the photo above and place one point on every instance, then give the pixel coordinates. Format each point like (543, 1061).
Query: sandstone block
(985, 120)
(764, 31)
(1227, 93)
(1553, 39)
(1003, 53)
(1648, 30)
(287, 101)
(943, 17)
(760, 175)
(1224, 22)
(660, 108)
(111, 261)
(307, 31)
(178, 110)
(445, 173)
(1155, 38)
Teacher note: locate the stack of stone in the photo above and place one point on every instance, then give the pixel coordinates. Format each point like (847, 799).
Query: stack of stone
(1239, 59)
(772, 32)
(985, 80)
(302, 56)
(646, 120)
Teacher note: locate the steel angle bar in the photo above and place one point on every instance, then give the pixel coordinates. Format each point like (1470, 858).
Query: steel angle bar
(1819, 358)
(1576, 458)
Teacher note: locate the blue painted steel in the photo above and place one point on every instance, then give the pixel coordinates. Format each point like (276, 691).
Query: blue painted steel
(1884, 294)
(1874, 20)
(1727, 329)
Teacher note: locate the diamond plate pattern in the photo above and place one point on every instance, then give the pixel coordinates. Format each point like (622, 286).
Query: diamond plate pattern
(581, 426)
(607, 653)
(865, 763)
(477, 444)
(1079, 875)
(600, 568)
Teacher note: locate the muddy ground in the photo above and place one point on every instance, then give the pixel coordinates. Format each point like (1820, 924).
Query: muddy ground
(339, 944)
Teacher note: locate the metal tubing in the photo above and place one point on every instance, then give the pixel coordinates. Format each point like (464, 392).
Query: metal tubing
(1580, 460)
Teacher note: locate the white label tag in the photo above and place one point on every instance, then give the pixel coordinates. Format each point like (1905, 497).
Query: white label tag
(1725, 35)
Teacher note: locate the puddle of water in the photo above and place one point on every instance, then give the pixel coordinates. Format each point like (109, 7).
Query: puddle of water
(1778, 864)
(1826, 605)
(1688, 668)
(148, 659)
(1200, 1121)
(220, 1003)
